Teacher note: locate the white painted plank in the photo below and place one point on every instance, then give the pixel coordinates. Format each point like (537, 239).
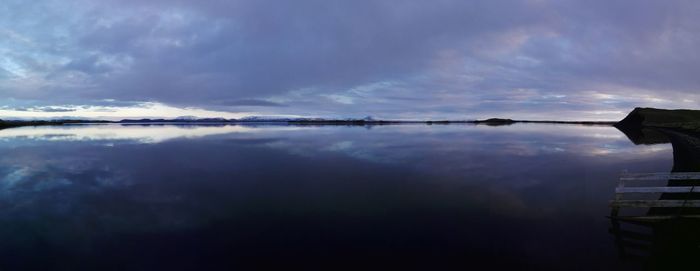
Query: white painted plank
(664, 189)
(653, 217)
(660, 176)
(655, 203)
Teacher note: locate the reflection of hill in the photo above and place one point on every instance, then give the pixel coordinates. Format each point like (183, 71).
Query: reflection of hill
(686, 144)
(644, 136)
(686, 151)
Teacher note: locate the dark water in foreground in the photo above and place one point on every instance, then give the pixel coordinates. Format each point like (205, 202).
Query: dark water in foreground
(110, 197)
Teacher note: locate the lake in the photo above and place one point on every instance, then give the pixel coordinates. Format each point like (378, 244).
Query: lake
(207, 197)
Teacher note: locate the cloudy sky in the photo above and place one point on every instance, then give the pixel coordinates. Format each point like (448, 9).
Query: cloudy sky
(402, 59)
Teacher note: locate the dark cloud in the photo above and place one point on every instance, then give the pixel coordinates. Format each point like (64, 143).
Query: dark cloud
(247, 102)
(390, 58)
(89, 65)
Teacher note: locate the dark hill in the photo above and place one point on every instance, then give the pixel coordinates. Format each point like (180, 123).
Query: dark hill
(661, 118)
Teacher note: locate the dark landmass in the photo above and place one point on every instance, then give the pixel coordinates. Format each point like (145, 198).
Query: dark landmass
(213, 120)
(491, 122)
(286, 121)
(644, 136)
(639, 117)
(20, 123)
(682, 119)
(653, 126)
(499, 122)
(11, 123)
(343, 122)
(495, 122)
(687, 119)
(604, 123)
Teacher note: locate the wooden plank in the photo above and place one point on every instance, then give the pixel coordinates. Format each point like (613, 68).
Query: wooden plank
(652, 218)
(660, 176)
(663, 189)
(655, 203)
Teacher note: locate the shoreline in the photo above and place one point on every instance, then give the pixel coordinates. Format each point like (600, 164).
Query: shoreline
(490, 122)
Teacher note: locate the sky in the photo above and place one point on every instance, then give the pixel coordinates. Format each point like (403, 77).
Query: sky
(390, 59)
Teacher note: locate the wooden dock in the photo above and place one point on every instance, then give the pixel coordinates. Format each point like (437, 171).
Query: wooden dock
(678, 201)
(624, 189)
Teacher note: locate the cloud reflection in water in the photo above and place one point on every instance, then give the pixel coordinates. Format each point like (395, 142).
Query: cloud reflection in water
(329, 190)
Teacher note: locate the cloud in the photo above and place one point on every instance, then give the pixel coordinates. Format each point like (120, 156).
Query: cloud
(445, 58)
(43, 109)
(246, 102)
(112, 112)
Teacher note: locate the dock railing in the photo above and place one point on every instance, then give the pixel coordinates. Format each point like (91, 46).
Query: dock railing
(628, 185)
(676, 200)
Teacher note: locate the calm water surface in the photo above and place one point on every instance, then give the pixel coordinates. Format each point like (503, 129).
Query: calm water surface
(111, 197)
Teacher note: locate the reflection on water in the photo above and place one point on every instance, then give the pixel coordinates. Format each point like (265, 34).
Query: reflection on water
(143, 133)
(663, 230)
(220, 197)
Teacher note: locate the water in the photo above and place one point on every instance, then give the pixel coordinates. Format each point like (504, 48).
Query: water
(159, 197)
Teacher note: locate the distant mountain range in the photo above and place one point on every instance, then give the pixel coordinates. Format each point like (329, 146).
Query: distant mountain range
(20, 123)
(648, 117)
(187, 119)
